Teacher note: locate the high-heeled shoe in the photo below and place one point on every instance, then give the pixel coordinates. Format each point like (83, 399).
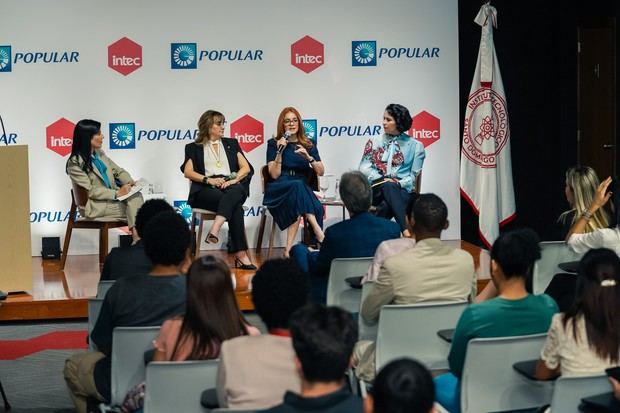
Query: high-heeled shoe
(239, 264)
(212, 239)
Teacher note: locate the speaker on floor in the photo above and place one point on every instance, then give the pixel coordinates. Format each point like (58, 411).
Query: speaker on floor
(50, 248)
(125, 241)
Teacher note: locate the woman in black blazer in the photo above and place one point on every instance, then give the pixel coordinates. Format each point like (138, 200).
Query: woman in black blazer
(220, 181)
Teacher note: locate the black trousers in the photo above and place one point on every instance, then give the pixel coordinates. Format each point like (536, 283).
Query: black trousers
(391, 202)
(229, 204)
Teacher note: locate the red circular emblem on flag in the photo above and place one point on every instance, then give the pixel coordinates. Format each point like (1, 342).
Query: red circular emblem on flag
(486, 127)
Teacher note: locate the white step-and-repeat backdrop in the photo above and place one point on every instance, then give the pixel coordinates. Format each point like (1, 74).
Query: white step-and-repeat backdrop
(148, 69)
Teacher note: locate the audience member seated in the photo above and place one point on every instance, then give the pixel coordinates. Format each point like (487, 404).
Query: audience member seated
(585, 340)
(142, 300)
(581, 238)
(402, 386)
(358, 236)
(123, 262)
(514, 312)
(256, 371)
(430, 271)
(212, 316)
(392, 247)
(323, 338)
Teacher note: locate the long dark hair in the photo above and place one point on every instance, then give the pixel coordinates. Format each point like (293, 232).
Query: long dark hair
(598, 301)
(212, 314)
(81, 148)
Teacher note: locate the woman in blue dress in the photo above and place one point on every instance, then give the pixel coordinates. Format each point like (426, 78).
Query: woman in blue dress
(290, 156)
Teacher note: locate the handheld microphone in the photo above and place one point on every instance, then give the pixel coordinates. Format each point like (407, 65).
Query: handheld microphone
(285, 136)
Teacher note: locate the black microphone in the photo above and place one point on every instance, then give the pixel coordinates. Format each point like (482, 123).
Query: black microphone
(285, 136)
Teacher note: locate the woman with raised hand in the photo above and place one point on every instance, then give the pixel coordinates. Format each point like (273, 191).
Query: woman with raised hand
(220, 181)
(291, 155)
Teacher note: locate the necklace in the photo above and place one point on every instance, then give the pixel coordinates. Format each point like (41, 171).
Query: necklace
(217, 155)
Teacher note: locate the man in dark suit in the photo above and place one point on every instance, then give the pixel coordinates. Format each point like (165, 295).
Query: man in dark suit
(358, 236)
(132, 260)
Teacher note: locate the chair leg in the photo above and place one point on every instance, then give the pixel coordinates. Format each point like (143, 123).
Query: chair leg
(199, 238)
(103, 243)
(271, 235)
(67, 241)
(192, 227)
(7, 406)
(261, 232)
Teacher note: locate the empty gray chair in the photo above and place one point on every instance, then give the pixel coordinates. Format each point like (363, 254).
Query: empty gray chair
(490, 384)
(128, 347)
(339, 293)
(411, 331)
(569, 391)
(176, 386)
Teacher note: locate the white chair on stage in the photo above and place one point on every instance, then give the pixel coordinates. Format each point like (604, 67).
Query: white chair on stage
(552, 253)
(177, 385)
(128, 347)
(339, 293)
(411, 331)
(489, 382)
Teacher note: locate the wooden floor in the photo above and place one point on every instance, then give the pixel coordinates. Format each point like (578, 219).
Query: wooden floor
(64, 294)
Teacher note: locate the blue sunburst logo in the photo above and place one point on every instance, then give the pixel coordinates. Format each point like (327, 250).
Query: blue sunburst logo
(364, 53)
(183, 209)
(183, 56)
(310, 129)
(5, 58)
(122, 135)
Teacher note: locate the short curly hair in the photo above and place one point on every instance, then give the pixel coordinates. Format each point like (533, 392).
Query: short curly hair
(166, 239)
(147, 211)
(278, 289)
(401, 116)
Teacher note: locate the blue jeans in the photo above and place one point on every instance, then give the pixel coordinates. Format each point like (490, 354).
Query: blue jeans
(448, 392)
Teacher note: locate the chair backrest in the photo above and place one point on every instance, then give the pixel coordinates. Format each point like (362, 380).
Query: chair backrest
(177, 385)
(568, 392)
(489, 383)
(411, 331)
(80, 195)
(128, 347)
(366, 331)
(94, 308)
(339, 293)
(552, 253)
(103, 287)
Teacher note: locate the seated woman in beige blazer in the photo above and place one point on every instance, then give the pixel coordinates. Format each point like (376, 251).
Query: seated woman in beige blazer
(91, 169)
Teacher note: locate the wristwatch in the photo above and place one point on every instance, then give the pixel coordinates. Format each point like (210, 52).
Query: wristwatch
(204, 179)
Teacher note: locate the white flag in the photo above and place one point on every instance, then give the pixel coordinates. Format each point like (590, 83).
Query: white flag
(486, 168)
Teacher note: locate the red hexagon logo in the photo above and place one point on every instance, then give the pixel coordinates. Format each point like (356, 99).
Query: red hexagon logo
(425, 128)
(249, 132)
(125, 56)
(307, 54)
(59, 136)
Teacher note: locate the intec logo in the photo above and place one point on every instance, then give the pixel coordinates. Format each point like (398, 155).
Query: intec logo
(310, 127)
(249, 132)
(307, 54)
(125, 56)
(5, 58)
(59, 136)
(425, 128)
(364, 53)
(183, 56)
(122, 135)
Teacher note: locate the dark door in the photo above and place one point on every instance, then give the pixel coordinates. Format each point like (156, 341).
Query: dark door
(596, 96)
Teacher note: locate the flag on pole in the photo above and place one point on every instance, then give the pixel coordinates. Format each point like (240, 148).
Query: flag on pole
(486, 167)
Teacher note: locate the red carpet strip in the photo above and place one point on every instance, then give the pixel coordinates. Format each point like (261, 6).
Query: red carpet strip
(59, 340)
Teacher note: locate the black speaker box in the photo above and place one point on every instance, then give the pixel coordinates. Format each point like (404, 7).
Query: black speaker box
(50, 248)
(125, 241)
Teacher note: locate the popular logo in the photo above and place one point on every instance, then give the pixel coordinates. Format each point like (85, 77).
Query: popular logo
(183, 56)
(59, 136)
(307, 54)
(125, 56)
(8, 139)
(183, 209)
(122, 135)
(486, 129)
(310, 127)
(5, 58)
(364, 53)
(425, 128)
(249, 132)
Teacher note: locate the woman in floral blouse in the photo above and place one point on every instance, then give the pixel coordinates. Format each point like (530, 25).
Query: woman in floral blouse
(392, 162)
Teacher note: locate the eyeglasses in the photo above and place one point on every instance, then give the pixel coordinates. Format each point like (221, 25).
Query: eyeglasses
(289, 121)
(221, 123)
